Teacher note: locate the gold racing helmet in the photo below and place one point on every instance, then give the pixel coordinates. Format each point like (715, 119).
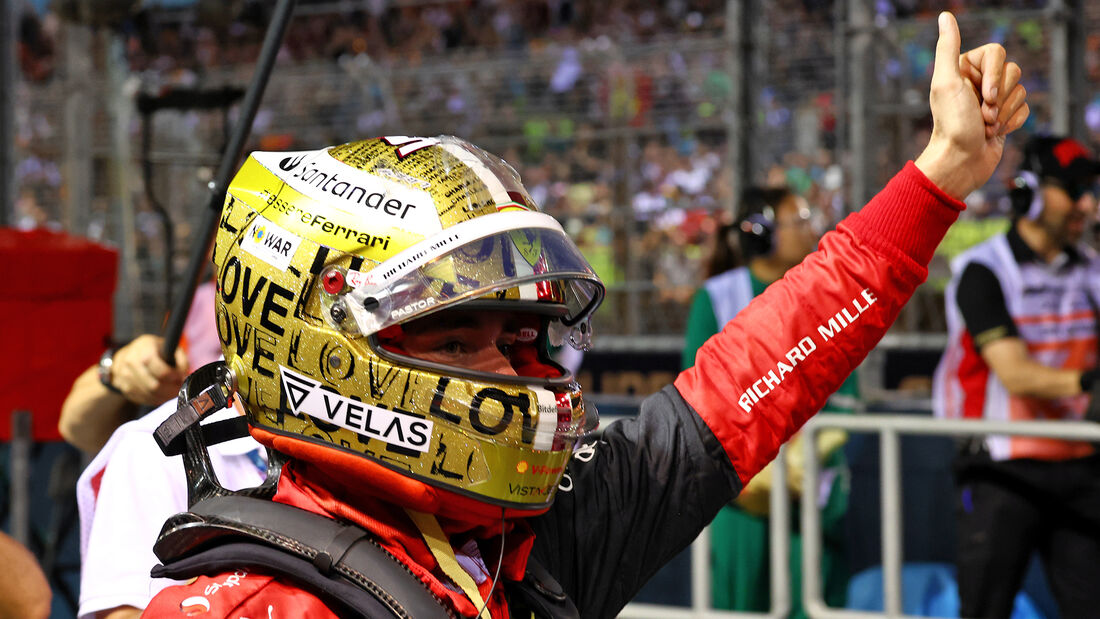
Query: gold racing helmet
(322, 257)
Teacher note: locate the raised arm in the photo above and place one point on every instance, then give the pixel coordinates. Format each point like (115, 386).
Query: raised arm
(772, 367)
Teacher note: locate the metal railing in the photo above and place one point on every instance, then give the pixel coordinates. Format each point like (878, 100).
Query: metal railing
(889, 429)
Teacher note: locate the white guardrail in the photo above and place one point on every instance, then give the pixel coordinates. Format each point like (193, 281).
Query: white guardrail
(889, 429)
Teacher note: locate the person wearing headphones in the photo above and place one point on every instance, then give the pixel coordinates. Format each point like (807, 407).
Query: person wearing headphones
(775, 230)
(1023, 322)
(128, 489)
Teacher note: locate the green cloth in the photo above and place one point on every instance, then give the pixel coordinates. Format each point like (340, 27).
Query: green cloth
(702, 323)
(740, 579)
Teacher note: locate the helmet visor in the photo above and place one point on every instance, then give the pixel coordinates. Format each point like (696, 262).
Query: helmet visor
(522, 256)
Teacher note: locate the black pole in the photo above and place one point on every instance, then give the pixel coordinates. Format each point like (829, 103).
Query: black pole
(1078, 78)
(274, 37)
(746, 150)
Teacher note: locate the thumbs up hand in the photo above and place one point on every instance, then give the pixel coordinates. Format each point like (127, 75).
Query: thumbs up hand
(976, 101)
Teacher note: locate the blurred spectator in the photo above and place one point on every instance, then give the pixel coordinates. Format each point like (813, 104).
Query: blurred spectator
(125, 495)
(617, 108)
(36, 46)
(129, 488)
(678, 268)
(1022, 327)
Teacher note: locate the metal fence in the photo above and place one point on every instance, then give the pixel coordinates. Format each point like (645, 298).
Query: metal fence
(889, 429)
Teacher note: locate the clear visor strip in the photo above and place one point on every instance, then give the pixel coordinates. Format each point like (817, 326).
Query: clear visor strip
(482, 171)
(547, 426)
(497, 191)
(415, 256)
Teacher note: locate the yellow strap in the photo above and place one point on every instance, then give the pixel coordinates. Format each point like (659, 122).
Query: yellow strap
(441, 548)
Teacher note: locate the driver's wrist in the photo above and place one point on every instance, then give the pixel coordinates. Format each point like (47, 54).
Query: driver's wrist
(940, 164)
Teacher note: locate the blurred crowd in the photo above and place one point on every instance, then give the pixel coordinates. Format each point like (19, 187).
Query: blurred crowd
(617, 112)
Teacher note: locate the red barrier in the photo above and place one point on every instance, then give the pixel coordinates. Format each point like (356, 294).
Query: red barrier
(55, 320)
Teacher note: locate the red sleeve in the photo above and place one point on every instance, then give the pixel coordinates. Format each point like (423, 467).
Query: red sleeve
(235, 595)
(773, 366)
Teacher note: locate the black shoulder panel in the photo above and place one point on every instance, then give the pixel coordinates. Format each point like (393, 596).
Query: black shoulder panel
(337, 562)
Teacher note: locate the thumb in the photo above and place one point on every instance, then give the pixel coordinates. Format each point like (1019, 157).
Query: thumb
(947, 49)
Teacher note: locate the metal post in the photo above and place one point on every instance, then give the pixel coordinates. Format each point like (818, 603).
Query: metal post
(8, 79)
(859, 95)
(890, 471)
(1075, 68)
(779, 532)
(812, 588)
(21, 439)
(700, 572)
(1059, 74)
(840, 91)
(740, 55)
(129, 310)
(77, 127)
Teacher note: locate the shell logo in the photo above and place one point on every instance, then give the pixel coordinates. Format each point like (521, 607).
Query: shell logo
(521, 466)
(195, 605)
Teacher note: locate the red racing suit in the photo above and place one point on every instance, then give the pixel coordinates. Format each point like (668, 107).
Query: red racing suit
(635, 497)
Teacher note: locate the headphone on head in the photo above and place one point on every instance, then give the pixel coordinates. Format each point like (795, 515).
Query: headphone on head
(1025, 195)
(756, 219)
(1059, 159)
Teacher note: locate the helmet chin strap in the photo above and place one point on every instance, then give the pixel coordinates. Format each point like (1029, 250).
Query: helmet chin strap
(444, 554)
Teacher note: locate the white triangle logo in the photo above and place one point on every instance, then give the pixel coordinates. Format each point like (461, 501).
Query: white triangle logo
(297, 388)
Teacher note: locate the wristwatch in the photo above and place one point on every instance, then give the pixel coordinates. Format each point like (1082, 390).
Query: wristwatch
(106, 360)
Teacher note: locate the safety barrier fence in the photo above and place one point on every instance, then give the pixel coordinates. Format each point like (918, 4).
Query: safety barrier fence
(889, 429)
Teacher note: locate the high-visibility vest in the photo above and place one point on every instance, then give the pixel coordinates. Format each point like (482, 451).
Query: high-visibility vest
(1054, 308)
